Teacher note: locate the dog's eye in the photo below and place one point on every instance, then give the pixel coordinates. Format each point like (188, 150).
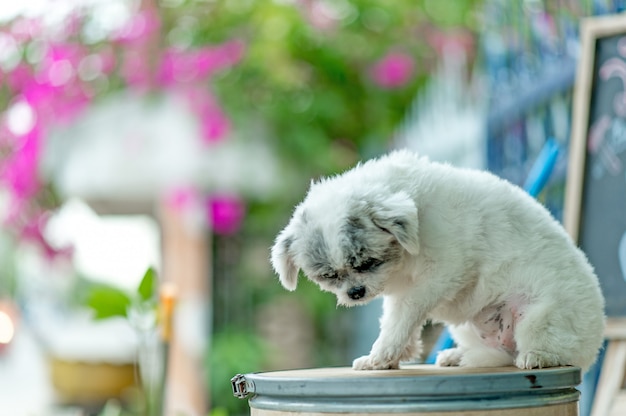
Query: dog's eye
(329, 276)
(368, 265)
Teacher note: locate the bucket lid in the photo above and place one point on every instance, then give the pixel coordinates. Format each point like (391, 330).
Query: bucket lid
(413, 388)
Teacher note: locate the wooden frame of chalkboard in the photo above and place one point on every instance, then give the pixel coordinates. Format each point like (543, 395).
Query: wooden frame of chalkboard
(592, 30)
(595, 198)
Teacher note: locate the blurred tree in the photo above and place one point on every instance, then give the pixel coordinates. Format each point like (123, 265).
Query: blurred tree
(327, 82)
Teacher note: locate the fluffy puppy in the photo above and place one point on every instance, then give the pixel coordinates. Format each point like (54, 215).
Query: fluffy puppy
(451, 245)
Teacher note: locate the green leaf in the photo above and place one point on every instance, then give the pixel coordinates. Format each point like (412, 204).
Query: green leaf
(107, 301)
(146, 287)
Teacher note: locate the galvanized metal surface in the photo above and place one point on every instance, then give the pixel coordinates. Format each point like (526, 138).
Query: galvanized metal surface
(414, 389)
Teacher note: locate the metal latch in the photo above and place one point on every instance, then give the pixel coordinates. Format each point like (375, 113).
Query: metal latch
(240, 386)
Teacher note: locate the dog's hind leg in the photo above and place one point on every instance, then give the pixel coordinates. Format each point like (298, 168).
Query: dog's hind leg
(471, 350)
(540, 340)
(486, 357)
(450, 357)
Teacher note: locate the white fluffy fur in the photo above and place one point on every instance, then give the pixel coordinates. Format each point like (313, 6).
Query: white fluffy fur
(453, 245)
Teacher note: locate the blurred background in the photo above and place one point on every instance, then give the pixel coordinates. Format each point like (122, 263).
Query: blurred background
(150, 150)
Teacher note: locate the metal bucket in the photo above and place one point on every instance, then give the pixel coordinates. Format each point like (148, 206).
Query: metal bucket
(412, 390)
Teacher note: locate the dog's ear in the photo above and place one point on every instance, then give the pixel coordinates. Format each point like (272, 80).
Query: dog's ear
(282, 260)
(397, 215)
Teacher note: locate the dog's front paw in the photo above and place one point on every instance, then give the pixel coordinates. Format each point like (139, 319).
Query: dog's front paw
(449, 358)
(373, 362)
(536, 359)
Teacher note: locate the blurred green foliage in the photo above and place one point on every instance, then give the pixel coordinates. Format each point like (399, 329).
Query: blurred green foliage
(108, 301)
(8, 274)
(310, 85)
(232, 352)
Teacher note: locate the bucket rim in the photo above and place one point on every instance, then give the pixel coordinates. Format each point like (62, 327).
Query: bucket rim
(413, 381)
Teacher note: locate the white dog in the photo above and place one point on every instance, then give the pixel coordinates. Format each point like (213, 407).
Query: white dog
(452, 245)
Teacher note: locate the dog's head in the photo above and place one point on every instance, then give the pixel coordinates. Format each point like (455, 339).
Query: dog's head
(348, 242)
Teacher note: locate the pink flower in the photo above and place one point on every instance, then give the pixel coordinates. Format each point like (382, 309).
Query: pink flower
(56, 104)
(107, 60)
(135, 68)
(26, 29)
(211, 60)
(177, 66)
(54, 92)
(20, 170)
(65, 51)
(20, 77)
(214, 124)
(136, 37)
(40, 95)
(60, 65)
(73, 24)
(394, 70)
(198, 65)
(186, 69)
(225, 213)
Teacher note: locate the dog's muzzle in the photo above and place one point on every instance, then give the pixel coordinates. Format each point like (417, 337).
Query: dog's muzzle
(356, 292)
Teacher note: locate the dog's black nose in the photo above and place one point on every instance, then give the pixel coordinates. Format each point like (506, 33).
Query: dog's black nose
(356, 292)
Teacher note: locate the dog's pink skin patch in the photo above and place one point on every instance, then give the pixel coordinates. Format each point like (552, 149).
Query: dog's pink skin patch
(495, 324)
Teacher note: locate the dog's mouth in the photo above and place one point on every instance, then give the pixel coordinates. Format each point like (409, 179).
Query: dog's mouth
(350, 303)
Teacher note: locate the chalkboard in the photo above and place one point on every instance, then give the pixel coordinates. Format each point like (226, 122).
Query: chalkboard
(595, 203)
